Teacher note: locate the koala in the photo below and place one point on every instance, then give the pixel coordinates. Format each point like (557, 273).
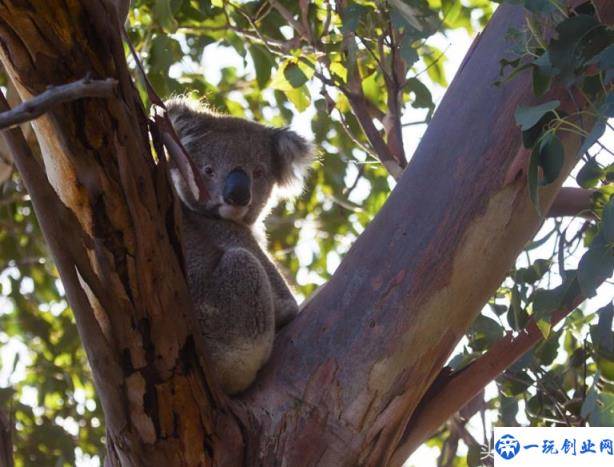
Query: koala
(239, 295)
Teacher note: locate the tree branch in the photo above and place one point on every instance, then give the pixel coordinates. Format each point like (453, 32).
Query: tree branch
(366, 348)
(572, 202)
(287, 15)
(54, 96)
(457, 389)
(52, 215)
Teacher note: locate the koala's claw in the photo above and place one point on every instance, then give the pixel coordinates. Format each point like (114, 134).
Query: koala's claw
(285, 311)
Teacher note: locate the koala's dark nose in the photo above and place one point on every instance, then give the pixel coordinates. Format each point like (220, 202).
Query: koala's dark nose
(238, 188)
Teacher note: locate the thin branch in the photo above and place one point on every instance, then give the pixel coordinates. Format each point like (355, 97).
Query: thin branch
(285, 13)
(572, 202)
(54, 96)
(432, 64)
(457, 389)
(60, 234)
(392, 121)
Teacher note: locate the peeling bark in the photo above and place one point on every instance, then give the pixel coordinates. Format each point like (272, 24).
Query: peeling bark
(349, 372)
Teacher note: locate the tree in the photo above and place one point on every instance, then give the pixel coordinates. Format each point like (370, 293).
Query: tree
(355, 378)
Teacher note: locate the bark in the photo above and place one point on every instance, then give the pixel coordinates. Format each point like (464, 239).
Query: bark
(349, 372)
(113, 235)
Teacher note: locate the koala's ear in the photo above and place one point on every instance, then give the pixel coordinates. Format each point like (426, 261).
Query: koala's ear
(292, 158)
(188, 116)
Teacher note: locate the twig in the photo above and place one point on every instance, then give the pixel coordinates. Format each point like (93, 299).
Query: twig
(432, 64)
(54, 96)
(572, 202)
(285, 13)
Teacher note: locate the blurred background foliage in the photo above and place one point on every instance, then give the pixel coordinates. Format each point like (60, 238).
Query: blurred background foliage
(336, 71)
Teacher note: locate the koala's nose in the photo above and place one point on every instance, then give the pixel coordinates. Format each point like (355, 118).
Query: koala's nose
(238, 188)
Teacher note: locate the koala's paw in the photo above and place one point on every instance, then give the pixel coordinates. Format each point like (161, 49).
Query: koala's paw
(286, 310)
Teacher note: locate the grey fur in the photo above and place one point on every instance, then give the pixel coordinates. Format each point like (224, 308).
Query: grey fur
(237, 291)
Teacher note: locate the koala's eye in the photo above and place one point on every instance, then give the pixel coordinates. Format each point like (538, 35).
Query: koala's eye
(209, 170)
(258, 172)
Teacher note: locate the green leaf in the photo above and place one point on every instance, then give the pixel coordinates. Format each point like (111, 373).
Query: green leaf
(546, 351)
(590, 174)
(528, 117)
(163, 53)
(596, 265)
(517, 316)
(602, 334)
(163, 13)
(542, 74)
(544, 326)
(541, 82)
(300, 97)
(534, 272)
(545, 302)
(295, 75)
(484, 332)
(415, 16)
(605, 58)
(533, 135)
(371, 88)
(596, 133)
(578, 40)
(422, 96)
(607, 108)
(263, 64)
(352, 16)
(434, 60)
(590, 401)
(451, 9)
(603, 414)
(551, 158)
(408, 53)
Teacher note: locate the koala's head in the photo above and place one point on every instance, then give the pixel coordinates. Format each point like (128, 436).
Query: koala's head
(240, 161)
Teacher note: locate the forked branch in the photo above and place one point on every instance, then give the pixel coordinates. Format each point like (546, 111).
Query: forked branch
(456, 390)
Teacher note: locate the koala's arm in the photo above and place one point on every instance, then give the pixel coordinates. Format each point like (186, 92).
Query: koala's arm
(284, 302)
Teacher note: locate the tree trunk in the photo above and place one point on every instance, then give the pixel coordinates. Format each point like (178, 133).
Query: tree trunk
(348, 373)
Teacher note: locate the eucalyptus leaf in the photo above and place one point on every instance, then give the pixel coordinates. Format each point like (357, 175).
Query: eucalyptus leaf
(596, 265)
(528, 117)
(590, 174)
(597, 131)
(603, 414)
(551, 158)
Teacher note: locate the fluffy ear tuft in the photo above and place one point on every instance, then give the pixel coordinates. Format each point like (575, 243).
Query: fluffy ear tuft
(187, 115)
(293, 156)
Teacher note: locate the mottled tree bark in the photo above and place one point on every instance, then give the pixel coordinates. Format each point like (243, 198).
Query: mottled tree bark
(349, 372)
